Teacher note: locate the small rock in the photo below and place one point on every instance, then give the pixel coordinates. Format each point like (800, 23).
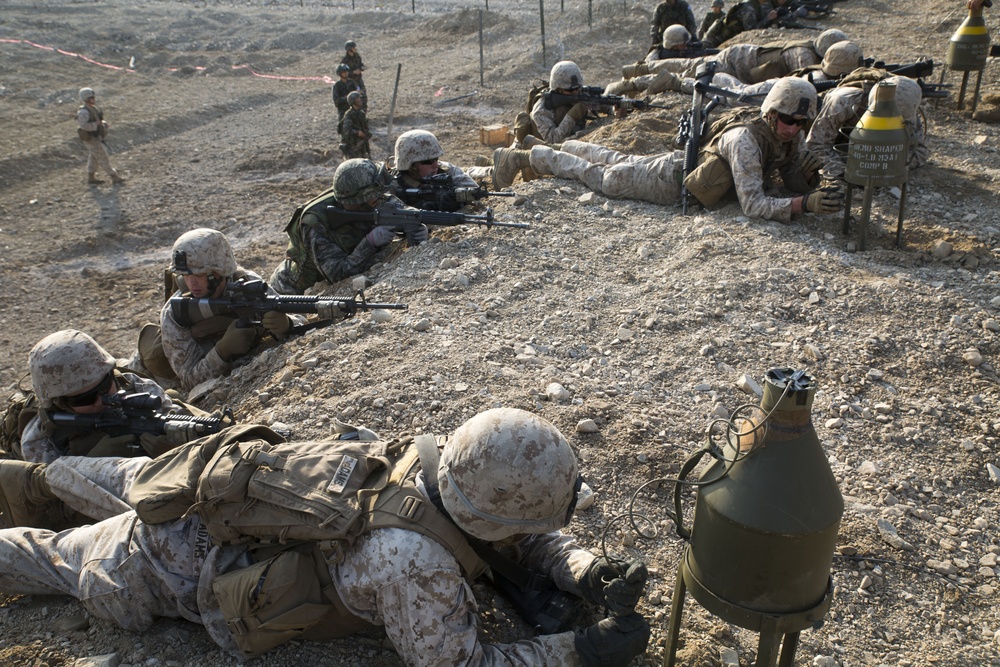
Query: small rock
(587, 198)
(874, 375)
(587, 426)
(992, 325)
(836, 422)
(891, 537)
(586, 498)
(748, 385)
(423, 324)
(824, 661)
(702, 386)
(106, 660)
(645, 252)
(624, 333)
(868, 468)
(941, 249)
(556, 392)
(994, 473)
(72, 623)
(360, 283)
(381, 316)
(942, 566)
(448, 263)
(973, 357)
(729, 657)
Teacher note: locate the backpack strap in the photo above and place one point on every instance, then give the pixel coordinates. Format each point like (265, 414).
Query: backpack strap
(400, 505)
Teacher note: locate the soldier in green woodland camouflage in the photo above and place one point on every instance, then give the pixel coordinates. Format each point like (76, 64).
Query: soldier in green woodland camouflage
(354, 133)
(320, 248)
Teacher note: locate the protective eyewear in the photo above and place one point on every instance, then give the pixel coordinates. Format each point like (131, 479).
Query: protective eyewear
(428, 163)
(88, 397)
(792, 120)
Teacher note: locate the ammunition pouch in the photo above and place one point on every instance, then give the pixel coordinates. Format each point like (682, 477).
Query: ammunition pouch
(84, 135)
(710, 180)
(522, 126)
(275, 600)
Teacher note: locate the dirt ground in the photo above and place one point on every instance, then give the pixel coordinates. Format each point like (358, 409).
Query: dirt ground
(645, 317)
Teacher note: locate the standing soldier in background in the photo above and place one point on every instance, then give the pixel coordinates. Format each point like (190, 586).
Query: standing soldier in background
(668, 13)
(93, 129)
(747, 15)
(343, 87)
(713, 15)
(354, 134)
(353, 60)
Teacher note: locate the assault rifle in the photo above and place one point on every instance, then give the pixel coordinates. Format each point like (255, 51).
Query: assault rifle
(696, 123)
(690, 50)
(594, 96)
(137, 414)
(401, 218)
(250, 299)
(439, 193)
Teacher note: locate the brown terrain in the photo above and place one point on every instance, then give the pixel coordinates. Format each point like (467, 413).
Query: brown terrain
(646, 318)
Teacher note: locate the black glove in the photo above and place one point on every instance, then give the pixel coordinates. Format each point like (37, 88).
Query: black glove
(613, 584)
(613, 642)
(811, 161)
(416, 234)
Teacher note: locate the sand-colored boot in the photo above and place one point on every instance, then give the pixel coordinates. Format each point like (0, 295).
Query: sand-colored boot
(987, 115)
(635, 69)
(506, 163)
(25, 497)
(483, 161)
(92, 179)
(116, 179)
(621, 87)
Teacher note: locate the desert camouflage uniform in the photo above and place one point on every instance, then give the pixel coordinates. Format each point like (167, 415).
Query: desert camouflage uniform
(126, 571)
(196, 360)
(842, 109)
(90, 119)
(652, 178)
(459, 179)
(741, 59)
(750, 162)
(554, 125)
(37, 446)
(323, 253)
(667, 15)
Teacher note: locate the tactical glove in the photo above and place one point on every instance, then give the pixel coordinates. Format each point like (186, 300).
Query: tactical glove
(465, 195)
(811, 162)
(381, 236)
(578, 112)
(277, 323)
(824, 200)
(112, 445)
(416, 234)
(613, 584)
(236, 341)
(329, 311)
(613, 642)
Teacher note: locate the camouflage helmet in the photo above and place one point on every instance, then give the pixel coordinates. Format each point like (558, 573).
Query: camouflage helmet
(841, 58)
(203, 251)
(66, 363)
(675, 37)
(353, 96)
(343, 67)
(828, 38)
(791, 96)
(86, 94)
(718, 3)
(416, 146)
(356, 181)
(506, 472)
(908, 96)
(565, 74)
(350, 44)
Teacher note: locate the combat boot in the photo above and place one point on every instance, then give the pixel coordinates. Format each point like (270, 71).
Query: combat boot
(635, 69)
(532, 140)
(116, 179)
(483, 161)
(663, 82)
(506, 163)
(92, 179)
(24, 494)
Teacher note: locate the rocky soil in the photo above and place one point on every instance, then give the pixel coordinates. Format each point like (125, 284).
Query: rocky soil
(627, 314)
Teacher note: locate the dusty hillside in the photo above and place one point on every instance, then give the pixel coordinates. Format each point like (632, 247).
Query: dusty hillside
(645, 317)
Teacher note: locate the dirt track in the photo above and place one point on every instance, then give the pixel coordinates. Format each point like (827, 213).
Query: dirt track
(633, 308)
